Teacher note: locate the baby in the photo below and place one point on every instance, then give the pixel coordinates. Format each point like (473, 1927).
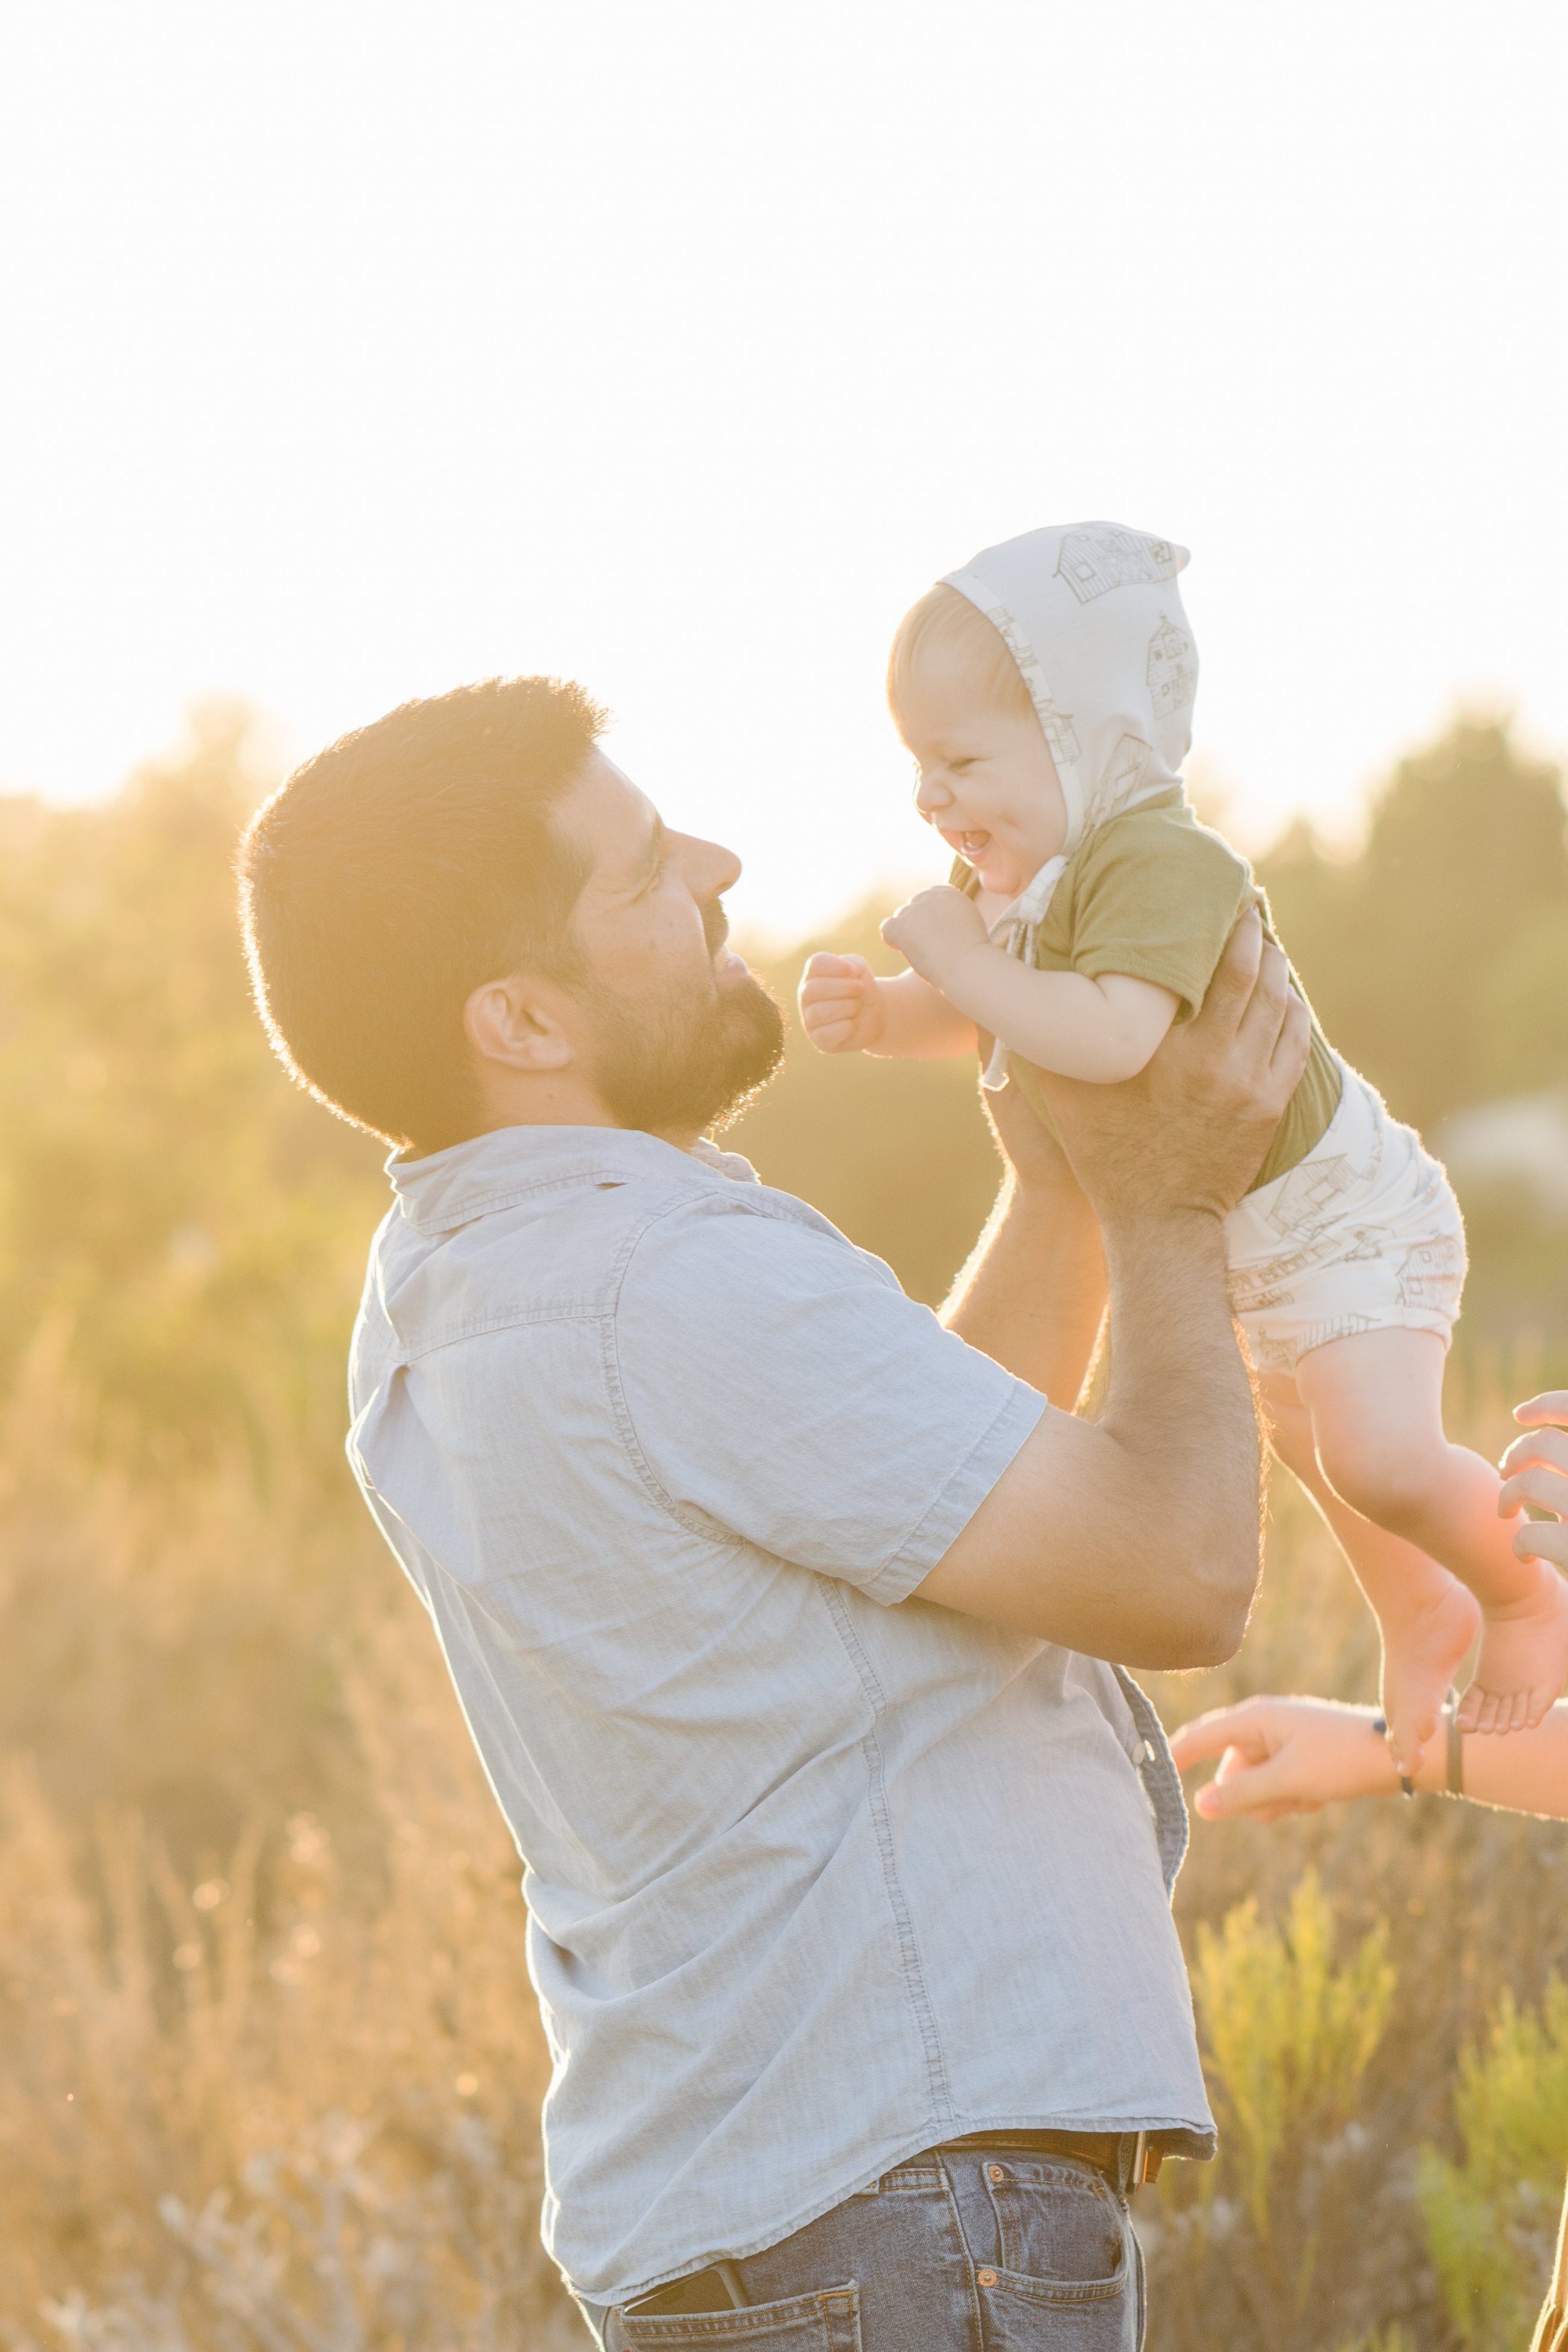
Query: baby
(1046, 694)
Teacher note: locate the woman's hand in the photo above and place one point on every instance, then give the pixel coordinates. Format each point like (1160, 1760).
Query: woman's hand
(1535, 1470)
(1285, 1755)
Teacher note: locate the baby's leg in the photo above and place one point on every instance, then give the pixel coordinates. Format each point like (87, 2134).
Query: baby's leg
(1376, 1403)
(1426, 1616)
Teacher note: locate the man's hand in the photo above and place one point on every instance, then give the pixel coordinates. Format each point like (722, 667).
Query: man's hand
(1535, 1470)
(841, 1007)
(1190, 1132)
(934, 930)
(1033, 1153)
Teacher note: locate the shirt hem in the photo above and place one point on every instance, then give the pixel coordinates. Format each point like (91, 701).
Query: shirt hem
(933, 2134)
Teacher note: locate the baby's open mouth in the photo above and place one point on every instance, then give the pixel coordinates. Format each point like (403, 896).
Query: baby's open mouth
(969, 845)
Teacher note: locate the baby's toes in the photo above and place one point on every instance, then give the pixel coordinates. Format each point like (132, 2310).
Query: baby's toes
(1467, 1714)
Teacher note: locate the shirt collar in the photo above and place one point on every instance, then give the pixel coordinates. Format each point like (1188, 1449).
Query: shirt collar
(445, 1189)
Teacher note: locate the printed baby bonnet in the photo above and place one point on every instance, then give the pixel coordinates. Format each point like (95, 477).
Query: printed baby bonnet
(1091, 614)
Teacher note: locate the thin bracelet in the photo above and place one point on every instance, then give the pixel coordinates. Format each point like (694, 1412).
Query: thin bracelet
(1407, 1785)
(1456, 1778)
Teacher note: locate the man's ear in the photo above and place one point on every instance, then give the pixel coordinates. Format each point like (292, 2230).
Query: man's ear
(514, 1022)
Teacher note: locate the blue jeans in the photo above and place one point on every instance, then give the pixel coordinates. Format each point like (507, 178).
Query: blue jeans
(972, 2249)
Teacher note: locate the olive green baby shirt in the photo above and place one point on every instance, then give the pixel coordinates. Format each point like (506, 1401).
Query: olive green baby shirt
(1156, 895)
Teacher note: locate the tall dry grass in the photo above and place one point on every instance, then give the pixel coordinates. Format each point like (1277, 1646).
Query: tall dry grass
(272, 2062)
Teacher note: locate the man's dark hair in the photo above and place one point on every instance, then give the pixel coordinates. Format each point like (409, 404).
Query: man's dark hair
(397, 871)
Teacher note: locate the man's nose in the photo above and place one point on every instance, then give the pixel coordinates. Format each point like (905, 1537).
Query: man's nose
(710, 869)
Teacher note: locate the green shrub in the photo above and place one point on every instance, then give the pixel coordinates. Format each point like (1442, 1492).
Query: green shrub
(1491, 2216)
(1289, 2034)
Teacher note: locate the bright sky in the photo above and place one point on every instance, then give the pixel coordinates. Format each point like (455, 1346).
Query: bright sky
(353, 350)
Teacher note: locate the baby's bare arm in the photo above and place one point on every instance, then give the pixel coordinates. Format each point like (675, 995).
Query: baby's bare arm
(1102, 1030)
(920, 1026)
(845, 1008)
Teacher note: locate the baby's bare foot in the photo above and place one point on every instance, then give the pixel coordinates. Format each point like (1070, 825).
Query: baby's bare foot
(1421, 1656)
(1523, 1658)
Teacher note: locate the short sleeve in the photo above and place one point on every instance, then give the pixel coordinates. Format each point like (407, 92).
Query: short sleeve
(1157, 897)
(778, 1386)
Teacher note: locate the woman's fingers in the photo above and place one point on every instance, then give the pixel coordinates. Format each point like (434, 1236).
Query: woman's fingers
(1247, 1729)
(1551, 1406)
(1244, 1784)
(1545, 1445)
(1543, 1540)
(1546, 1489)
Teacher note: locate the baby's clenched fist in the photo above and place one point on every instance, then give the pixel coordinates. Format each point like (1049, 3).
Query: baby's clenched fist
(841, 1007)
(934, 928)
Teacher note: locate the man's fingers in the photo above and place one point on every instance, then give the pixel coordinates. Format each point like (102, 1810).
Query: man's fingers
(1264, 1014)
(1291, 1046)
(1236, 974)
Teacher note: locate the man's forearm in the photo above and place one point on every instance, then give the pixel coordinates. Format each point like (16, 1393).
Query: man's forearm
(1135, 1536)
(1032, 1295)
(1181, 1409)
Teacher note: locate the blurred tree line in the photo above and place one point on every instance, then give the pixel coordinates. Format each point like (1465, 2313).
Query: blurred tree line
(194, 1229)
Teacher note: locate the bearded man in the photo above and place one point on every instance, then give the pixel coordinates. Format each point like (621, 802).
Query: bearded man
(776, 1604)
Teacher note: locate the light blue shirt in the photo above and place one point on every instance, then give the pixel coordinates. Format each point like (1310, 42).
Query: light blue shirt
(815, 1880)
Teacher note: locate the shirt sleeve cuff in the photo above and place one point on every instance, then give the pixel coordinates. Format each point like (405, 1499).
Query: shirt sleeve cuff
(959, 1500)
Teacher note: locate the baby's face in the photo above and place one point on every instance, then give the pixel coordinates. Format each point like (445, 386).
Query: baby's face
(988, 783)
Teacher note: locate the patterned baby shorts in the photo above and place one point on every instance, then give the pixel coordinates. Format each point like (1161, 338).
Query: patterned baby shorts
(1365, 1235)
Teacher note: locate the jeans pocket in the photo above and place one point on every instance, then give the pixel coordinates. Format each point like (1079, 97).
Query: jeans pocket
(827, 2321)
(1066, 2273)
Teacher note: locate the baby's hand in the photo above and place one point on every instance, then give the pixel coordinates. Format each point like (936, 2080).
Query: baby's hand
(933, 929)
(841, 1007)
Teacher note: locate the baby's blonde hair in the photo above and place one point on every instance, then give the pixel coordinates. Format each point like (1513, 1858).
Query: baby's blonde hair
(944, 621)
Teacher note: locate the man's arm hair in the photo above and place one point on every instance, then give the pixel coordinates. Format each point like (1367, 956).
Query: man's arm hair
(1136, 1536)
(1032, 1295)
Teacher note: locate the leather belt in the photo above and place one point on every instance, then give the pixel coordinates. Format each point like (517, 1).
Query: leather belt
(1129, 2160)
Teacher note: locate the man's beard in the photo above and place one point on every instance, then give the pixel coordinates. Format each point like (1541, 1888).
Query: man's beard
(679, 1066)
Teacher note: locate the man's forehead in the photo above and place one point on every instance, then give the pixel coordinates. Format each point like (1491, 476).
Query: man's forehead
(614, 821)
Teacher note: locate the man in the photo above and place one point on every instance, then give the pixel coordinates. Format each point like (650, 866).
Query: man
(774, 1606)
